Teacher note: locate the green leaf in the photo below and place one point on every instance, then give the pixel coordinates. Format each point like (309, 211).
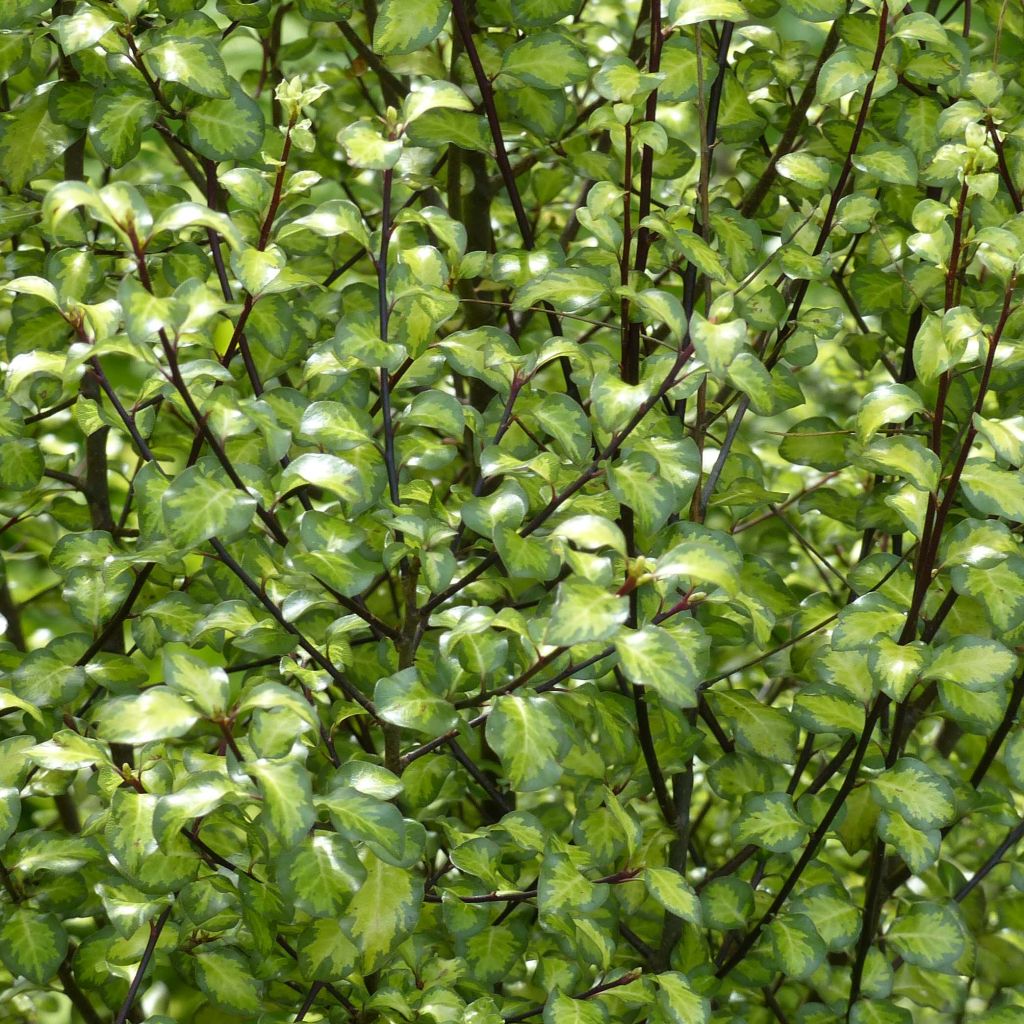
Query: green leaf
(679, 66)
(563, 1009)
(901, 456)
(195, 62)
(670, 889)
(690, 12)
(526, 557)
(976, 712)
(81, 30)
(276, 695)
(567, 288)
(404, 700)
(928, 935)
(21, 464)
(328, 471)
(437, 410)
(224, 974)
(325, 10)
(796, 945)
(204, 684)
(363, 818)
(911, 789)
(10, 813)
(157, 714)
(993, 491)
(320, 874)
(201, 793)
(770, 821)
(727, 903)
(364, 145)
(678, 1002)
(29, 142)
(973, 662)
(942, 341)
(886, 162)
(1013, 757)
(865, 1012)
(636, 482)
(383, 912)
(547, 60)
(865, 620)
(583, 612)
(69, 103)
(567, 423)
(718, 344)
(847, 70)
(434, 96)
(828, 709)
(529, 736)
(199, 505)
(897, 667)
(436, 128)
(325, 952)
(286, 789)
(504, 507)
(563, 889)
(182, 215)
(918, 848)
(118, 120)
(404, 26)
(68, 751)
(32, 945)
(591, 533)
(652, 657)
(761, 729)
(890, 403)
(535, 13)
(705, 558)
(835, 917)
(806, 170)
(229, 128)
(816, 10)
(492, 954)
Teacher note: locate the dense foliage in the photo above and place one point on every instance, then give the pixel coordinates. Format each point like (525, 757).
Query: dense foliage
(511, 510)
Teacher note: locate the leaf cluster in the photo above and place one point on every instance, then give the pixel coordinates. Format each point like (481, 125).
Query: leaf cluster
(511, 510)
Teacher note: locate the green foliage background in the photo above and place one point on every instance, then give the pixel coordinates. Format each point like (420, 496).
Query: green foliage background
(511, 510)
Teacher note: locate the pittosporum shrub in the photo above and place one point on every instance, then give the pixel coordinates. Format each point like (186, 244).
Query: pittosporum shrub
(511, 510)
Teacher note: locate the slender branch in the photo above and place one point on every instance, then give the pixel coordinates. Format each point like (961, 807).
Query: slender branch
(479, 775)
(52, 411)
(1012, 838)
(78, 998)
(275, 199)
(390, 462)
(723, 454)
(797, 120)
(154, 937)
(393, 88)
(590, 992)
(609, 452)
(1004, 167)
(119, 617)
(847, 168)
(643, 238)
(307, 1005)
(747, 942)
(1002, 731)
(709, 138)
(507, 174)
(324, 662)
